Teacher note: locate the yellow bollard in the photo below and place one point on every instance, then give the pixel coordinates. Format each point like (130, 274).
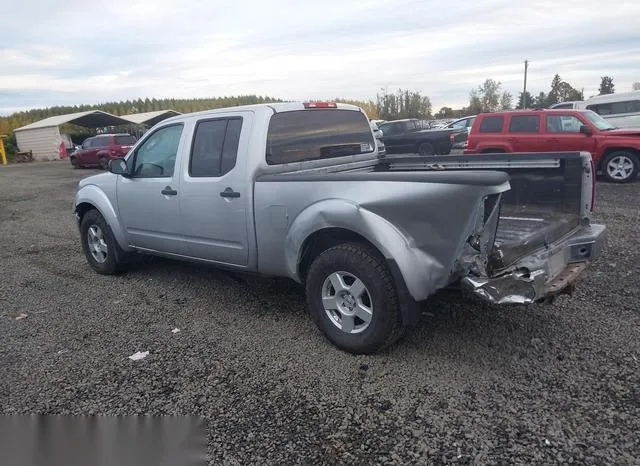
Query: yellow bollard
(3, 154)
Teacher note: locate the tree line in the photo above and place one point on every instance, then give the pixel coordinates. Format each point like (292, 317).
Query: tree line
(126, 107)
(403, 103)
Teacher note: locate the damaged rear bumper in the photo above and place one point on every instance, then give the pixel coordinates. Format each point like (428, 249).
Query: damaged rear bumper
(543, 275)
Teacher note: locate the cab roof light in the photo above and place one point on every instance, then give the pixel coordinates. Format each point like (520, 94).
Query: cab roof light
(320, 105)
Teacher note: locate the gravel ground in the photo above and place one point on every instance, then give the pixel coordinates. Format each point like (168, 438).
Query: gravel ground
(472, 385)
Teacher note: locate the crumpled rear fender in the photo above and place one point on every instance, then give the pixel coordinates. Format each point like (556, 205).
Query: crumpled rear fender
(94, 196)
(421, 272)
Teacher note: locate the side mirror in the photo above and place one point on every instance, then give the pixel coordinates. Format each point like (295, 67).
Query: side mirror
(119, 167)
(584, 129)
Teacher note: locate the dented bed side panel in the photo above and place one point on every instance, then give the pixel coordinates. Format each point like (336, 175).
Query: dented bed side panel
(422, 221)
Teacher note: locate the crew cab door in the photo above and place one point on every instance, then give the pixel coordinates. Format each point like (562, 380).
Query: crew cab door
(148, 200)
(214, 198)
(524, 133)
(562, 133)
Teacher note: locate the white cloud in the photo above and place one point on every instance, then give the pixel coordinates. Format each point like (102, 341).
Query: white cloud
(77, 52)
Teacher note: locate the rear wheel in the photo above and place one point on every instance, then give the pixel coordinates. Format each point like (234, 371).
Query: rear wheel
(620, 166)
(426, 148)
(104, 163)
(353, 299)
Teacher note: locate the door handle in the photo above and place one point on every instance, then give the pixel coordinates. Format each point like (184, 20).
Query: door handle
(228, 192)
(169, 191)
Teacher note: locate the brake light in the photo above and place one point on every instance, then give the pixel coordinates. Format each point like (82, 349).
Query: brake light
(320, 105)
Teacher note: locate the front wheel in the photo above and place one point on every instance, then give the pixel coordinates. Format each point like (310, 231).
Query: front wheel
(100, 246)
(353, 299)
(620, 167)
(104, 163)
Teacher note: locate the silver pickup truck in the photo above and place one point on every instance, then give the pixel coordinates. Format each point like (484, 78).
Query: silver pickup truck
(299, 190)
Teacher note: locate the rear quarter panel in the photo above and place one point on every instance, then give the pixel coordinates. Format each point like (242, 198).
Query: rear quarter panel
(421, 225)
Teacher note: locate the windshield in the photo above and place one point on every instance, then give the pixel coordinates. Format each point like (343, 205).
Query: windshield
(598, 121)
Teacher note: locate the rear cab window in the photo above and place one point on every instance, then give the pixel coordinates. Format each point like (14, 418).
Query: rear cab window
(492, 124)
(315, 134)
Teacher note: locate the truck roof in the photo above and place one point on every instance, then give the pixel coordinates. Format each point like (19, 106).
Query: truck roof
(277, 107)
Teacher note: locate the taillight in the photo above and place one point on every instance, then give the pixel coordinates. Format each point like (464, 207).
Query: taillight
(320, 105)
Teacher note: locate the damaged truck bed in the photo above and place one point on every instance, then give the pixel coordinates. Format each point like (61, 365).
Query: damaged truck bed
(544, 238)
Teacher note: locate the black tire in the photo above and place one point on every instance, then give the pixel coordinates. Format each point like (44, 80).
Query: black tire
(104, 163)
(74, 162)
(385, 326)
(426, 148)
(625, 175)
(116, 259)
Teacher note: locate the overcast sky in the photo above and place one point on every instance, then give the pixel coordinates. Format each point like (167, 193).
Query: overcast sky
(73, 52)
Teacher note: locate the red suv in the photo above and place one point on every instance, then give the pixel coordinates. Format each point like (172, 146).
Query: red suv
(616, 152)
(98, 150)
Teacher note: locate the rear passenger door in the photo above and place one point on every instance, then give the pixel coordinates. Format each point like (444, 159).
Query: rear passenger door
(215, 190)
(524, 133)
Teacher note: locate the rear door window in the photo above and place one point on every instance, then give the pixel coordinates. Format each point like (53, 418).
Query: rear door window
(524, 124)
(492, 124)
(215, 147)
(101, 141)
(125, 140)
(305, 135)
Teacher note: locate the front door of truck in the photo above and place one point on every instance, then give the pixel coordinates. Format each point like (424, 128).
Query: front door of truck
(214, 198)
(148, 201)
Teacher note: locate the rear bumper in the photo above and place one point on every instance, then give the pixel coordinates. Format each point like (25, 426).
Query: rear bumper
(544, 274)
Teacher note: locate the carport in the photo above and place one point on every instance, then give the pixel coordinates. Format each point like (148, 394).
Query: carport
(146, 120)
(43, 137)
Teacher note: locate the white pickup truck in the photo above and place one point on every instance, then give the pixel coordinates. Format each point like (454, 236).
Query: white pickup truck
(299, 190)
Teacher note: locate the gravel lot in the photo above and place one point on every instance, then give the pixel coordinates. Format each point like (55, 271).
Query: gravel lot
(472, 385)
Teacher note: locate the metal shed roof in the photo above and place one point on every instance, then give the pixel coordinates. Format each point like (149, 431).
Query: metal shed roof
(90, 119)
(150, 118)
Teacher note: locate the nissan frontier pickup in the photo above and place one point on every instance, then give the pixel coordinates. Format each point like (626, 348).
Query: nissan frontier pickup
(298, 190)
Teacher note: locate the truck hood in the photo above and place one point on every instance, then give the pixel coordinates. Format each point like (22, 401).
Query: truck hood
(635, 132)
(100, 179)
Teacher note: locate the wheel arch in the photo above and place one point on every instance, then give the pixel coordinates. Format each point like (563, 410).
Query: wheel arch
(610, 150)
(334, 221)
(90, 198)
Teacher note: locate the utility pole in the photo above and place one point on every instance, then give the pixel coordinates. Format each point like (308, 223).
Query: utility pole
(524, 92)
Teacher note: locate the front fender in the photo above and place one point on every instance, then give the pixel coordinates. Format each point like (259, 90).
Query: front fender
(94, 196)
(421, 272)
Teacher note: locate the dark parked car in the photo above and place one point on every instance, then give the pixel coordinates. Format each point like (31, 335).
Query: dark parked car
(96, 151)
(409, 137)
